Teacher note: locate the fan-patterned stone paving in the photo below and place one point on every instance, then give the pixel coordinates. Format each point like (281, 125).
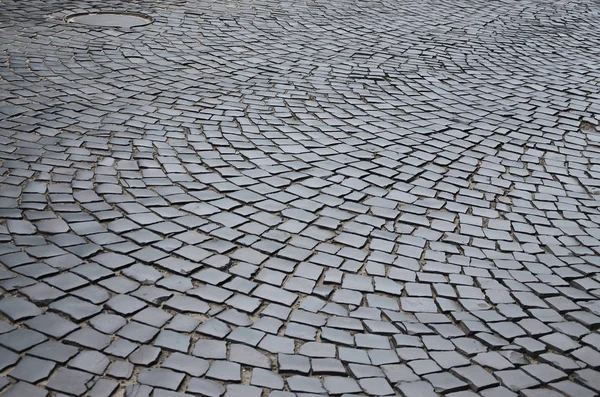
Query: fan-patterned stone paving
(300, 198)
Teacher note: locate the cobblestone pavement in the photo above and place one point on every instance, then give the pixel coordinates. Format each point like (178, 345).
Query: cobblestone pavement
(301, 198)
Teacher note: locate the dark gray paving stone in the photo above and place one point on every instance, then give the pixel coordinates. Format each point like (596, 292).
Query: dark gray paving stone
(20, 389)
(327, 366)
(544, 372)
(445, 382)
(163, 378)
(32, 370)
(372, 341)
(516, 379)
(143, 274)
(152, 295)
(268, 324)
(120, 348)
(266, 378)
(418, 305)
(376, 386)
(186, 304)
(54, 351)
(274, 294)
(559, 342)
(18, 309)
(300, 331)
(183, 323)
(211, 293)
(107, 323)
(42, 293)
(70, 381)
(246, 335)
(293, 363)
(21, 339)
(76, 309)
(449, 359)
(215, 328)
(138, 332)
(7, 358)
(499, 392)
(353, 355)
(145, 355)
(407, 341)
(210, 349)
(541, 392)
(66, 281)
(113, 261)
(337, 336)
(421, 367)
(13, 283)
(125, 304)
(5, 327)
(103, 388)
(588, 377)
(172, 340)
(90, 361)
(477, 377)
(205, 387)
(399, 373)
(88, 338)
(138, 391)
(119, 284)
(120, 370)
(249, 356)
(336, 385)
(559, 361)
(52, 325)
(235, 317)
(193, 366)
(418, 388)
(588, 355)
(92, 294)
(318, 350)
(277, 393)
(493, 360)
(20, 227)
(92, 271)
(225, 371)
(238, 390)
(304, 384)
(570, 388)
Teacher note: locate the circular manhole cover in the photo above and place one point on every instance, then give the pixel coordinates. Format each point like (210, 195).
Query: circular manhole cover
(110, 19)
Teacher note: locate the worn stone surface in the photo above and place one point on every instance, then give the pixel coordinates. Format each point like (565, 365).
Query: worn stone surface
(287, 198)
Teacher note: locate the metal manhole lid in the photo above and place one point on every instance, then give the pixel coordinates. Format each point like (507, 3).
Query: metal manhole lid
(110, 19)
